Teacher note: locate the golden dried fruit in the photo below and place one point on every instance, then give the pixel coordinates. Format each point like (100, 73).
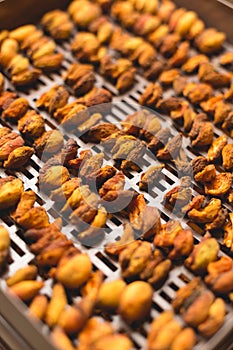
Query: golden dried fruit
(38, 307)
(202, 132)
(115, 342)
(50, 142)
(206, 214)
(18, 64)
(197, 93)
(203, 254)
(8, 143)
(118, 246)
(22, 32)
(185, 22)
(56, 305)
(31, 125)
(49, 62)
(135, 302)
(26, 290)
(19, 157)
(9, 49)
(220, 185)
(53, 177)
(227, 156)
(16, 109)
(185, 340)
(193, 63)
(216, 148)
(152, 94)
(210, 41)
(109, 295)
(209, 75)
(53, 99)
(206, 175)
(58, 24)
(25, 273)
(84, 12)
(73, 271)
(10, 191)
(168, 76)
(214, 320)
(27, 77)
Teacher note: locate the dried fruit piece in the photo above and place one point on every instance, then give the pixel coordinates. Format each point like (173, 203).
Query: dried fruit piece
(84, 12)
(49, 62)
(159, 140)
(227, 156)
(56, 305)
(197, 93)
(172, 148)
(210, 41)
(118, 246)
(220, 185)
(180, 195)
(109, 295)
(25, 273)
(19, 157)
(135, 302)
(58, 24)
(53, 99)
(206, 214)
(26, 78)
(151, 95)
(149, 178)
(168, 76)
(26, 290)
(228, 233)
(8, 143)
(69, 271)
(209, 75)
(10, 191)
(38, 307)
(202, 132)
(220, 275)
(216, 149)
(206, 175)
(50, 142)
(193, 63)
(203, 254)
(214, 320)
(16, 109)
(31, 125)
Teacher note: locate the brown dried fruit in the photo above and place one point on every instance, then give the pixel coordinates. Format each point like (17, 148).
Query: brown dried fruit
(221, 112)
(168, 76)
(134, 258)
(19, 157)
(216, 149)
(80, 77)
(58, 24)
(206, 214)
(99, 132)
(210, 41)
(110, 189)
(206, 175)
(193, 63)
(53, 177)
(118, 246)
(31, 125)
(202, 132)
(149, 178)
(53, 99)
(65, 191)
(186, 292)
(84, 12)
(50, 142)
(214, 320)
(180, 56)
(96, 96)
(92, 332)
(28, 77)
(16, 109)
(49, 63)
(197, 93)
(203, 254)
(210, 105)
(141, 293)
(159, 140)
(10, 191)
(228, 124)
(220, 275)
(154, 70)
(227, 156)
(9, 143)
(220, 185)
(209, 75)
(179, 84)
(172, 148)
(151, 95)
(180, 195)
(169, 44)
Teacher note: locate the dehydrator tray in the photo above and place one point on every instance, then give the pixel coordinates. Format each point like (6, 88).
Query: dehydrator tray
(17, 330)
